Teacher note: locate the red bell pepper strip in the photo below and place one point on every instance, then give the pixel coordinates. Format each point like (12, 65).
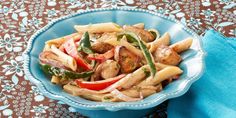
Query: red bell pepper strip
(76, 37)
(102, 57)
(98, 85)
(71, 49)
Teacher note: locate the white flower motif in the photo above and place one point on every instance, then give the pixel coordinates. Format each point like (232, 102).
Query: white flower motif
(8, 87)
(35, 22)
(225, 1)
(112, 3)
(51, 12)
(39, 109)
(162, 11)
(194, 22)
(35, 90)
(73, 2)
(5, 10)
(52, 2)
(22, 27)
(14, 67)
(206, 3)
(10, 42)
(208, 13)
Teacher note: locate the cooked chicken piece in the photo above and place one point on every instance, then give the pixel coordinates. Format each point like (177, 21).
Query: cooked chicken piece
(97, 72)
(101, 47)
(166, 55)
(106, 70)
(127, 60)
(144, 34)
(110, 68)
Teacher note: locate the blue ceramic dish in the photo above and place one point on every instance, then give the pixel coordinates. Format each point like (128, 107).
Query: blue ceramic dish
(192, 64)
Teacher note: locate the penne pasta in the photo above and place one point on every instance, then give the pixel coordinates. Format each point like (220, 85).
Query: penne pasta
(165, 73)
(139, 25)
(58, 41)
(182, 45)
(76, 91)
(46, 47)
(134, 93)
(161, 65)
(55, 80)
(130, 47)
(110, 98)
(156, 33)
(67, 60)
(134, 77)
(94, 97)
(162, 75)
(164, 40)
(99, 28)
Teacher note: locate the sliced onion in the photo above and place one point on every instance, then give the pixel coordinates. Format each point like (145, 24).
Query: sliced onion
(117, 53)
(125, 98)
(44, 58)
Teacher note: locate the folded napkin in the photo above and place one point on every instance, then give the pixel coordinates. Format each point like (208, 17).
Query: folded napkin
(214, 94)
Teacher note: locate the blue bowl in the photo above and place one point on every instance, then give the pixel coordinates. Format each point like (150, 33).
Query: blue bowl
(192, 65)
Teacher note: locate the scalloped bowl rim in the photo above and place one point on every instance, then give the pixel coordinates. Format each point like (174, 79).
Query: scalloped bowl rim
(112, 106)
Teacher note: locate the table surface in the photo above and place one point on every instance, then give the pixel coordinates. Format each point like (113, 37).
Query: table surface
(20, 19)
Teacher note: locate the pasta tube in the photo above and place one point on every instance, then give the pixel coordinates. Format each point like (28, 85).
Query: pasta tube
(67, 60)
(76, 91)
(161, 75)
(134, 93)
(93, 97)
(130, 47)
(155, 33)
(59, 41)
(139, 25)
(164, 40)
(55, 80)
(182, 45)
(46, 47)
(161, 65)
(86, 93)
(99, 28)
(134, 77)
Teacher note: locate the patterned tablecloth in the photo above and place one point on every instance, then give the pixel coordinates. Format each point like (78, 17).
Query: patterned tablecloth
(19, 19)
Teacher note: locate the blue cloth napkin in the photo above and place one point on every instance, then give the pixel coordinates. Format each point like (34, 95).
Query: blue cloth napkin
(214, 94)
